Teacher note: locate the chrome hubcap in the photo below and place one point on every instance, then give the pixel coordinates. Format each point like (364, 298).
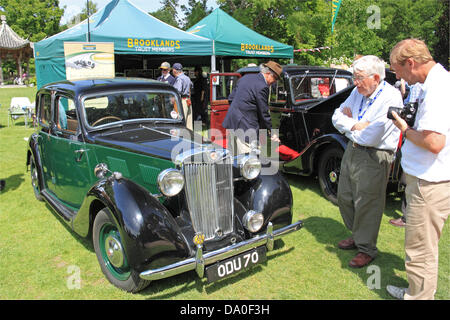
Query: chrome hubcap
(114, 251)
(333, 176)
(34, 177)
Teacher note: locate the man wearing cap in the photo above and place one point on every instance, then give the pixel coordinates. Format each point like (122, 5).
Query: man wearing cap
(249, 111)
(183, 84)
(165, 73)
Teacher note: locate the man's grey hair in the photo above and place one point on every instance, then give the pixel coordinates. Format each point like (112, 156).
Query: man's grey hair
(370, 65)
(264, 69)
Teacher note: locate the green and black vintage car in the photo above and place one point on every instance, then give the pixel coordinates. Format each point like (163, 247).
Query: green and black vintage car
(114, 159)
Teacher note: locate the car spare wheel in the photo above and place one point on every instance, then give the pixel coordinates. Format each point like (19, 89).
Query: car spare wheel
(328, 172)
(110, 253)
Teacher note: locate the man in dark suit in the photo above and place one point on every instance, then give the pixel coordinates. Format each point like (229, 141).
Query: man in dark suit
(249, 112)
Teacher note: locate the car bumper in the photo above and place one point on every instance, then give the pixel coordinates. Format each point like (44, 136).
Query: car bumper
(201, 260)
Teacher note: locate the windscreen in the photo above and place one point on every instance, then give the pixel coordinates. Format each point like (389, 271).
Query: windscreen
(125, 106)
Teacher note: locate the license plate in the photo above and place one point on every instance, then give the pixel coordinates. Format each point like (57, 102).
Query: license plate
(235, 264)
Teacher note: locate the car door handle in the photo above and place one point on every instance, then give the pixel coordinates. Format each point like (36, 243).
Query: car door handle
(80, 153)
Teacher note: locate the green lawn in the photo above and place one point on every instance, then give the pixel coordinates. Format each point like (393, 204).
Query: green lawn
(40, 256)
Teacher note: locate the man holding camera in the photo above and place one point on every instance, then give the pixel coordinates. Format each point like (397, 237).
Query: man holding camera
(367, 159)
(426, 163)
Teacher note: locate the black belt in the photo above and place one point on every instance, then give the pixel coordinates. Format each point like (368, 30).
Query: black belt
(184, 97)
(358, 146)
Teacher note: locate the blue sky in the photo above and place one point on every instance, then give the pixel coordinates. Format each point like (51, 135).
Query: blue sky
(73, 7)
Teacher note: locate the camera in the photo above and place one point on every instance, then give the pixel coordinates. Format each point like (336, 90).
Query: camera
(407, 113)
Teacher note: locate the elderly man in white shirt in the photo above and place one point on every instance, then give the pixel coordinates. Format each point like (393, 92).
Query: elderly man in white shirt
(368, 157)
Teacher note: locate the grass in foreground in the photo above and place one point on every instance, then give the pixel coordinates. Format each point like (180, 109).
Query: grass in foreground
(41, 258)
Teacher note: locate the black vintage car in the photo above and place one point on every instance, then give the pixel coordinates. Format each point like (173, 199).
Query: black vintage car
(113, 158)
(301, 106)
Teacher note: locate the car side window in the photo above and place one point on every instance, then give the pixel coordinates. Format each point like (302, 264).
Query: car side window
(278, 93)
(224, 85)
(65, 114)
(45, 102)
(320, 87)
(301, 88)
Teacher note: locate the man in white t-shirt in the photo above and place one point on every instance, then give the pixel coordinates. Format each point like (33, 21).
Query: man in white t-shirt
(426, 162)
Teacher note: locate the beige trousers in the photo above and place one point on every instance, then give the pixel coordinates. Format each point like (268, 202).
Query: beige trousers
(237, 145)
(187, 110)
(428, 207)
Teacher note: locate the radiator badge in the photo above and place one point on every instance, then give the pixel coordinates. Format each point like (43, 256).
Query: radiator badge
(199, 238)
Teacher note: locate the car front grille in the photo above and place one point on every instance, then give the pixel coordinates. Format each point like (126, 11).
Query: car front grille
(209, 193)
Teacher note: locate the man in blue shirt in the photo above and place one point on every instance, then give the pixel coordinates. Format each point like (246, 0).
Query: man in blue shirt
(183, 84)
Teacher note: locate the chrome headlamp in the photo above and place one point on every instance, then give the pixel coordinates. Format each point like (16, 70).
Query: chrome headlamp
(253, 221)
(170, 182)
(250, 167)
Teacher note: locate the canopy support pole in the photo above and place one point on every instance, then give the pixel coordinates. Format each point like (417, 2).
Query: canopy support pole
(213, 69)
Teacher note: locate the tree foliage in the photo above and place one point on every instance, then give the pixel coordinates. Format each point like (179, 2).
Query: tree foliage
(82, 15)
(194, 12)
(33, 19)
(168, 12)
(362, 26)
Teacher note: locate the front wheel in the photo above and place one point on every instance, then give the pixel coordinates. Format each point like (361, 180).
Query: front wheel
(328, 172)
(34, 179)
(111, 256)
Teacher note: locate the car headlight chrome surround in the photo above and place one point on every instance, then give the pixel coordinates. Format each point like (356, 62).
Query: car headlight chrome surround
(253, 221)
(170, 182)
(250, 167)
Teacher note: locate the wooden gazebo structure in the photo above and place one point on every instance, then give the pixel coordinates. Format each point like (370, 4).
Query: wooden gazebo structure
(13, 47)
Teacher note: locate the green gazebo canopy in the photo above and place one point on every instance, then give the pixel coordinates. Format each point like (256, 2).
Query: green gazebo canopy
(132, 31)
(232, 38)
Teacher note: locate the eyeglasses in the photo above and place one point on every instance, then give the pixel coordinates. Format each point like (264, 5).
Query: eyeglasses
(360, 78)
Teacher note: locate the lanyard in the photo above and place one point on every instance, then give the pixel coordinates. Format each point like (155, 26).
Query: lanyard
(370, 103)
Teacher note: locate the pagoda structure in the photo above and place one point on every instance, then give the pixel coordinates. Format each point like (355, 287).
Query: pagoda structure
(13, 47)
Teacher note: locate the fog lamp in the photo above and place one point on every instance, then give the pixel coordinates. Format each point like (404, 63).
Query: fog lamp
(253, 221)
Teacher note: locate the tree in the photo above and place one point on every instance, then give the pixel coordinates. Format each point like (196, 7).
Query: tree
(310, 25)
(410, 19)
(194, 12)
(353, 34)
(33, 19)
(82, 15)
(267, 17)
(441, 47)
(168, 13)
